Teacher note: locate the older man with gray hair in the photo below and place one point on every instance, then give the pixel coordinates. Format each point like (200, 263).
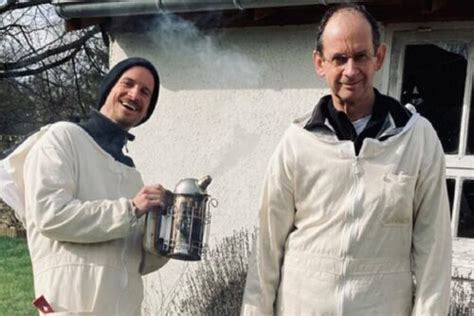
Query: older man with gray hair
(354, 214)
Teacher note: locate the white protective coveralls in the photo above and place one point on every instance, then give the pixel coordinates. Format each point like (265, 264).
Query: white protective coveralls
(341, 234)
(83, 238)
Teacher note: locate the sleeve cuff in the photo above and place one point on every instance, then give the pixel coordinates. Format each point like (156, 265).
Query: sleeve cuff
(133, 214)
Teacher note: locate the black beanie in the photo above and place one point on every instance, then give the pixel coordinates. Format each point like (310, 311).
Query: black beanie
(116, 72)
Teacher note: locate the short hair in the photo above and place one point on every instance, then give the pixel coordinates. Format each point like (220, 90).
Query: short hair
(350, 7)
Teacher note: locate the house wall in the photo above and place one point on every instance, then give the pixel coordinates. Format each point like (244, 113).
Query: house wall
(223, 114)
(225, 100)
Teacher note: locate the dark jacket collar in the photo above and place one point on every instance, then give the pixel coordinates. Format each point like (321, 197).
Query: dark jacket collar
(108, 135)
(383, 105)
(326, 118)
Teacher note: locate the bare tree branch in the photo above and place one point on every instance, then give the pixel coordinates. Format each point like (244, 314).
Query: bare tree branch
(7, 67)
(23, 5)
(38, 70)
(92, 61)
(11, 26)
(46, 74)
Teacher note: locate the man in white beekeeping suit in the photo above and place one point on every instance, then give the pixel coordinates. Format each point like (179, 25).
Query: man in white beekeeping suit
(354, 214)
(82, 201)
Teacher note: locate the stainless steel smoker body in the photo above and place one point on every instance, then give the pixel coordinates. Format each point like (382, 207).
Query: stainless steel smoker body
(178, 230)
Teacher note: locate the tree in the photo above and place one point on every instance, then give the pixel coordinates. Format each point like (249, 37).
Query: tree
(46, 73)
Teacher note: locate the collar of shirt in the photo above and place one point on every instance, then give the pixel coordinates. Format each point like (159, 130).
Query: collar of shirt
(340, 124)
(109, 136)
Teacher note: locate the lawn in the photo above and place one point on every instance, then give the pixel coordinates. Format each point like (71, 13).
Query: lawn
(16, 278)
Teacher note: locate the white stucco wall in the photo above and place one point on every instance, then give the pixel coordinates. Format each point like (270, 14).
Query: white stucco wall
(224, 102)
(221, 120)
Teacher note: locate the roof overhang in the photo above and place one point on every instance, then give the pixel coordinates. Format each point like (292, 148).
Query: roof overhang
(82, 9)
(237, 13)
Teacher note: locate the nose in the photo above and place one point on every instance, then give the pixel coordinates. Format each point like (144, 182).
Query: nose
(350, 68)
(133, 93)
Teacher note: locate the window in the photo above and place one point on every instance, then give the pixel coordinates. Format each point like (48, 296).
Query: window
(466, 215)
(434, 70)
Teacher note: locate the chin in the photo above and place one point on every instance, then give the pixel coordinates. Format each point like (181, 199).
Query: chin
(346, 99)
(126, 125)
(349, 96)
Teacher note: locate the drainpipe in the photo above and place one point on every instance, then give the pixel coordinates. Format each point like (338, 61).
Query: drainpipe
(79, 9)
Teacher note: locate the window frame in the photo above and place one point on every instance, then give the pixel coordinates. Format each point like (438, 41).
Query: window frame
(460, 166)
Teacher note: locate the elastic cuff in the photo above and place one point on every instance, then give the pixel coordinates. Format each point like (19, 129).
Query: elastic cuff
(133, 214)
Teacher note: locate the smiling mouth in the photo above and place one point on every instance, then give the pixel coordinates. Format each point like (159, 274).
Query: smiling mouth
(130, 106)
(350, 84)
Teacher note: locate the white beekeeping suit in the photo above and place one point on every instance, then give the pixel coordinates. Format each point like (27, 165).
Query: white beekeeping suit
(12, 189)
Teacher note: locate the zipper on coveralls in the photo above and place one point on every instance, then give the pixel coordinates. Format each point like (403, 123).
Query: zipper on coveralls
(349, 229)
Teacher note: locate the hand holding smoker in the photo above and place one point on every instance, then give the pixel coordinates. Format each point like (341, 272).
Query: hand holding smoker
(178, 230)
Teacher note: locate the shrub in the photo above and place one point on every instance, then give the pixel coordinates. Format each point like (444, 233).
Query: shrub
(216, 286)
(462, 295)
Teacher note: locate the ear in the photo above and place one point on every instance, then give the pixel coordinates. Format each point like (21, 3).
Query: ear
(318, 63)
(380, 56)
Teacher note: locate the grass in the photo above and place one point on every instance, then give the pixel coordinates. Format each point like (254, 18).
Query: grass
(16, 278)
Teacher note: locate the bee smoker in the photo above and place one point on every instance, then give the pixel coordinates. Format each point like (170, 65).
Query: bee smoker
(178, 230)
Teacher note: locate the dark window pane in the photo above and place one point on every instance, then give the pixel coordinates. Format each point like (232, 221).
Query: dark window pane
(433, 80)
(470, 134)
(451, 183)
(466, 215)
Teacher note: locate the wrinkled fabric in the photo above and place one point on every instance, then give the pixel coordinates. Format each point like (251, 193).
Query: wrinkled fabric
(9, 192)
(12, 188)
(347, 234)
(84, 241)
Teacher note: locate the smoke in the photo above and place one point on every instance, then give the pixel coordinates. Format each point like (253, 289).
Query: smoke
(202, 55)
(244, 142)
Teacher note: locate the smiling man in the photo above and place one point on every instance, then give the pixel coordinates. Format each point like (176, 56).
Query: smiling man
(85, 201)
(354, 214)
(128, 101)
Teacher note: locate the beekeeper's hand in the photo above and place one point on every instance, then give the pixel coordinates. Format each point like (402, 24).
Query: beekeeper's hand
(151, 197)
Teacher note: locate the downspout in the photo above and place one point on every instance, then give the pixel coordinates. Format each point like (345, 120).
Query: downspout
(78, 9)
